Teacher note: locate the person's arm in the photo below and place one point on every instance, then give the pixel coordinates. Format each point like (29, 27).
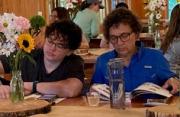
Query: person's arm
(174, 83)
(84, 43)
(70, 87)
(95, 26)
(4, 91)
(166, 75)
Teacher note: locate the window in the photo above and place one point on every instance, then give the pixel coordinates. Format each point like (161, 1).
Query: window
(171, 4)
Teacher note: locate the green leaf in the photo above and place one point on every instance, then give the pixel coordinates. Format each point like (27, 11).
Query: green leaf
(37, 22)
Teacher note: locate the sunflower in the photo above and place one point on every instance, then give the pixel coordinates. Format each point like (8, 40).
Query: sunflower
(26, 42)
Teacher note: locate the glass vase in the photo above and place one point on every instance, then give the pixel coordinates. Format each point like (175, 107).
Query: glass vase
(16, 87)
(151, 24)
(157, 39)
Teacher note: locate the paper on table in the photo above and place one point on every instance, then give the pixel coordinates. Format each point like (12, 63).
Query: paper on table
(32, 96)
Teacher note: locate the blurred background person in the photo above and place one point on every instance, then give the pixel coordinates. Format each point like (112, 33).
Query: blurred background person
(122, 5)
(171, 43)
(59, 13)
(87, 18)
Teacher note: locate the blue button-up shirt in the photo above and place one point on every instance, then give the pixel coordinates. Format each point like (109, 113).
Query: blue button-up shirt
(147, 65)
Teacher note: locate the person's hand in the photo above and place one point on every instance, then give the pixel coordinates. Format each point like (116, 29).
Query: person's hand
(4, 91)
(27, 88)
(174, 83)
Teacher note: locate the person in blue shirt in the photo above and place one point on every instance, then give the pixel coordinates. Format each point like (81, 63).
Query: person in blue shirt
(122, 29)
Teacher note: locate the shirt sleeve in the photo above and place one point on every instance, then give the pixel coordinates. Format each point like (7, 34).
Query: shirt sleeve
(163, 68)
(5, 64)
(95, 26)
(76, 69)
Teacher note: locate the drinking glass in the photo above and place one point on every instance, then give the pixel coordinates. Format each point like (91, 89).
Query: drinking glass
(116, 82)
(93, 98)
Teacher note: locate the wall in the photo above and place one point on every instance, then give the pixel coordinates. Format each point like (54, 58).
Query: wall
(29, 8)
(26, 8)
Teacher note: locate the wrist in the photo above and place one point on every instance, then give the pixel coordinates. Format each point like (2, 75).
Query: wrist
(34, 86)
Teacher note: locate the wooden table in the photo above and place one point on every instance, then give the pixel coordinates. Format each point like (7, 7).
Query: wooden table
(93, 53)
(78, 107)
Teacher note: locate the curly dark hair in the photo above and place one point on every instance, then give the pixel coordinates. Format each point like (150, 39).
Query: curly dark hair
(118, 16)
(70, 32)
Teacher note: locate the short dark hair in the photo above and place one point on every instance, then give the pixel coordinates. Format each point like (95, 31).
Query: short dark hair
(121, 5)
(70, 32)
(62, 13)
(118, 16)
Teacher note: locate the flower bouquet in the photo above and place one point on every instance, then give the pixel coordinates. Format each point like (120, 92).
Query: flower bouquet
(73, 7)
(16, 43)
(154, 9)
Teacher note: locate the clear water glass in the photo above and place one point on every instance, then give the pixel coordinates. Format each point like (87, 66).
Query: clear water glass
(116, 83)
(93, 98)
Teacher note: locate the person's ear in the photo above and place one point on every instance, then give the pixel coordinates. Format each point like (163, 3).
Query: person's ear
(137, 36)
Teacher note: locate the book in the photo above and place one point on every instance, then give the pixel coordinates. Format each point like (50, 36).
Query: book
(143, 89)
(150, 88)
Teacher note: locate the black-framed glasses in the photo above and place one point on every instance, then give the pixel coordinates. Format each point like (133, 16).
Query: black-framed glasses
(56, 44)
(123, 37)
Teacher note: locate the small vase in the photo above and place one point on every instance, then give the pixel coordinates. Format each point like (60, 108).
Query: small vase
(157, 39)
(16, 87)
(151, 24)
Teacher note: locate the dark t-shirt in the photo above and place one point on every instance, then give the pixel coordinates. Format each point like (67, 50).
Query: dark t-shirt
(71, 66)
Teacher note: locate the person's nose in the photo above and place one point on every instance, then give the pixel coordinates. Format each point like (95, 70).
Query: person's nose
(53, 46)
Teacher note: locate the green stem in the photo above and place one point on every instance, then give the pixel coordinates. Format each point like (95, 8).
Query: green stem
(17, 60)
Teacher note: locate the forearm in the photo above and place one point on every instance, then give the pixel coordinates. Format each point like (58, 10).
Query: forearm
(66, 88)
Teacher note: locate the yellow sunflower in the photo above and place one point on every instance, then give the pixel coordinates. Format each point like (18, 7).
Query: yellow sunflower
(26, 42)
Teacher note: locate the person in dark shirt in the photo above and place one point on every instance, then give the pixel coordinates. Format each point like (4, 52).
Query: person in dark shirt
(57, 70)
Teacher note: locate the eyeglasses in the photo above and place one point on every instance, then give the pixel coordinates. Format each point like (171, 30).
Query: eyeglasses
(58, 45)
(123, 37)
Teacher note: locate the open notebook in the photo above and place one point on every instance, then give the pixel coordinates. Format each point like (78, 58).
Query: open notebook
(146, 88)
(150, 88)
